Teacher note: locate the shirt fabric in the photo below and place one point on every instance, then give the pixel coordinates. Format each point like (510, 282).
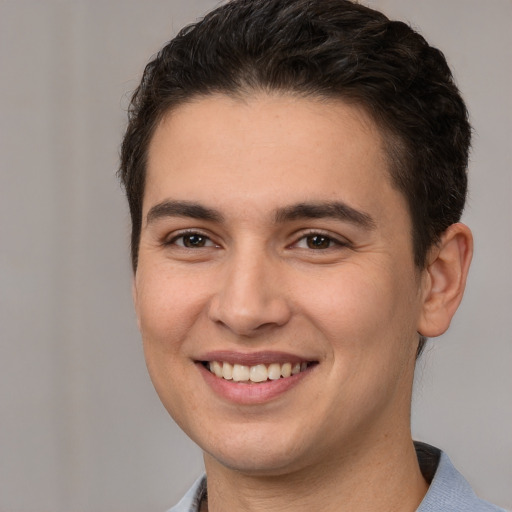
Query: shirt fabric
(448, 491)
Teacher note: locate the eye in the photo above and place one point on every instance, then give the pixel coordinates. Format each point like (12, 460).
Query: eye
(192, 241)
(318, 241)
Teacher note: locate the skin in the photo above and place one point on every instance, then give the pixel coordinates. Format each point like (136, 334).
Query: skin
(248, 278)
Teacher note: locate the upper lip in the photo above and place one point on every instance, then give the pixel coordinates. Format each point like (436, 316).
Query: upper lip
(252, 358)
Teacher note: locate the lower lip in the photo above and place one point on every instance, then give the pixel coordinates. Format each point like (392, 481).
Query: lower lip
(251, 393)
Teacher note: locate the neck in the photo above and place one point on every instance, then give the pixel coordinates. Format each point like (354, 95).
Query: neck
(385, 478)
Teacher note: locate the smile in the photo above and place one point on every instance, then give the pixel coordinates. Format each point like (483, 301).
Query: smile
(256, 373)
(253, 378)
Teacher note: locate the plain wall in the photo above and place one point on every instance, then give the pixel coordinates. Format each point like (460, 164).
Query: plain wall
(81, 428)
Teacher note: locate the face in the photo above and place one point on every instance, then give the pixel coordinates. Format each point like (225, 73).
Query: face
(276, 291)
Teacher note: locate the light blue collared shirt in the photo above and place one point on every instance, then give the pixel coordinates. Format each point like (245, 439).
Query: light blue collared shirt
(448, 491)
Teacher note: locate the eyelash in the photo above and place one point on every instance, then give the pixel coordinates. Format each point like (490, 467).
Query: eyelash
(189, 233)
(331, 241)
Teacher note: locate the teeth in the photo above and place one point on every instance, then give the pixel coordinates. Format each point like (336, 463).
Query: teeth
(257, 373)
(240, 373)
(227, 371)
(286, 370)
(274, 371)
(216, 368)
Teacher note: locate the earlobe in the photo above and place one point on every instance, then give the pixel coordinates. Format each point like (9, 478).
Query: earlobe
(445, 279)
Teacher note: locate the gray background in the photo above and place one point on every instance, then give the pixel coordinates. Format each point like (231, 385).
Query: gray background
(81, 428)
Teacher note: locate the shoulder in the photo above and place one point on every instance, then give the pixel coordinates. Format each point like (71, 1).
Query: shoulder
(449, 491)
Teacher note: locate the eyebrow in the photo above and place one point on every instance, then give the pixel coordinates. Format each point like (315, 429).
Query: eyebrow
(314, 210)
(171, 208)
(332, 209)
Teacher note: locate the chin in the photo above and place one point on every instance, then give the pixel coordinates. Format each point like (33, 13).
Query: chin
(255, 462)
(258, 455)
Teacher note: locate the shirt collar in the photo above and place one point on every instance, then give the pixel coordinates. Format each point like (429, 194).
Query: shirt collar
(448, 490)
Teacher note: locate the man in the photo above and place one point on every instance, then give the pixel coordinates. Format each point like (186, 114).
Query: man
(296, 173)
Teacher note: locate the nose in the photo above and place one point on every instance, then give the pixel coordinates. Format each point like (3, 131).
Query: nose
(251, 298)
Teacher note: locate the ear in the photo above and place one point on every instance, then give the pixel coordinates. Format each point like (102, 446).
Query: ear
(444, 279)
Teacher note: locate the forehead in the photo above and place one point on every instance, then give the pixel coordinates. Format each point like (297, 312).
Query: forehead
(267, 148)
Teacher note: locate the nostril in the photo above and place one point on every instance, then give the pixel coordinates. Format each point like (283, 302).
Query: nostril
(249, 318)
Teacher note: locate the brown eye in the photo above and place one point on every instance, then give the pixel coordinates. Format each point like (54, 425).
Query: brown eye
(318, 242)
(194, 241)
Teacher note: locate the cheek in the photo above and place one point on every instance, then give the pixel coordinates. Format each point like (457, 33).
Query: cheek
(358, 309)
(167, 305)
(348, 300)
